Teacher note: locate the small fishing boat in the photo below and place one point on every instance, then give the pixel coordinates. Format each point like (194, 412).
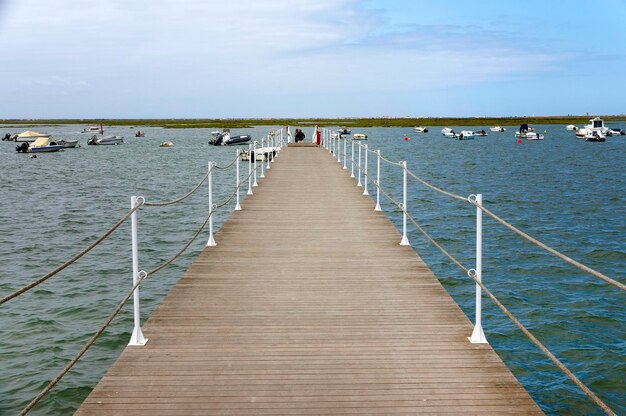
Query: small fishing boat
(166, 144)
(93, 129)
(140, 133)
(343, 131)
(105, 140)
(448, 132)
(225, 139)
(528, 133)
(421, 129)
(571, 127)
(41, 145)
(68, 144)
(359, 136)
(466, 135)
(30, 136)
(262, 154)
(480, 133)
(615, 132)
(595, 136)
(497, 129)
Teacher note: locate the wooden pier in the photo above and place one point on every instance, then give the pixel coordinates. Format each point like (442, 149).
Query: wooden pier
(308, 305)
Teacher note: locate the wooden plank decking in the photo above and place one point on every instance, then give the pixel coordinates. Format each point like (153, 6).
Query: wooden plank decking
(308, 305)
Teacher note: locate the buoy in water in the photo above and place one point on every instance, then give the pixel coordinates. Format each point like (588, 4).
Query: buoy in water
(519, 140)
(406, 138)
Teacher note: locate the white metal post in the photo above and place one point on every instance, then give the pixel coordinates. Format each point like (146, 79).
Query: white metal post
(254, 184)
(270, 152)
(478, 336)
(365, 192)
(405, 240)
(212, 207)
(137, 337)
(250, 169)
(262, 164)
(377, 208)
(238, 180)
(338, 150)
(344, 155)
(352, 161)
(359, 167)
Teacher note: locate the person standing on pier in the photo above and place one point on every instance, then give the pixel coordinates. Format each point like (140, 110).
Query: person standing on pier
(299, 135)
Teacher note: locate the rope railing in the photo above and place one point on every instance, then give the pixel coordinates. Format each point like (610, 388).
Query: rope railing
(517, 231)
(475, 276)
(177, 200)
(48, 275)
(139, 276)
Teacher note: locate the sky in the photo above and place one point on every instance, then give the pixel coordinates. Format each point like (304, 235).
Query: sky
(311, 58)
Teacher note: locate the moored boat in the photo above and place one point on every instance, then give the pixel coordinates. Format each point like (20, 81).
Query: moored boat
(528, 133)
(595, 124)
(595, 136)
(67, 143)
(466, 135)
(105, 140)
(448, 132)
(30, 136)
(93, 129)
(225, 139)
(41, 145)
(421, 129)
(571, 127)
(359, 136)
(497, 129)
(166, 144)
(480, 133)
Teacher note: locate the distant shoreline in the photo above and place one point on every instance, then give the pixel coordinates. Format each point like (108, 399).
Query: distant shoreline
(322, 122)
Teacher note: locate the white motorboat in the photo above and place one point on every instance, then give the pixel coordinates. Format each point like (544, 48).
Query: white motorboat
(30, 136)
(225, 139)
(343, 131)
(68, 144)
(615, 132)
(466, 135)
(359, 136)
(105, 140)
(421, 129)
(497, 129)
(571, 127)
(261, 154)
(595, 136)
(531, 135)
(41, 145)
(595, 124)
(166, 144)
(92, 130)
(480, 133)
(528, 133)
(448, 132)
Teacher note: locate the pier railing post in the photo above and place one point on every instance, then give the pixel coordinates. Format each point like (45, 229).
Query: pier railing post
(377, 208)
(270, 152)
(338, 150)
(137, 337)
(212, 207)
(352, 161)
(254, 155)
(262, 148)
(478, 336)
(250, 169)
(359, 184)
(365, 192)
(405, 239)
(344, 155)
(237, 180)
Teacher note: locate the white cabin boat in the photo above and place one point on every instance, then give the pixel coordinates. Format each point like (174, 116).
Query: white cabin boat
(497, 129)
(448, 132)
(595, 124)
(93, 129)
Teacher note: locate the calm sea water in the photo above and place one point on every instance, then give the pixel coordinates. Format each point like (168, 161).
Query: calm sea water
(564, 191)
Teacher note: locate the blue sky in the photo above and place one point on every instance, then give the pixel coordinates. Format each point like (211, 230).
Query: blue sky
(311, 58)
